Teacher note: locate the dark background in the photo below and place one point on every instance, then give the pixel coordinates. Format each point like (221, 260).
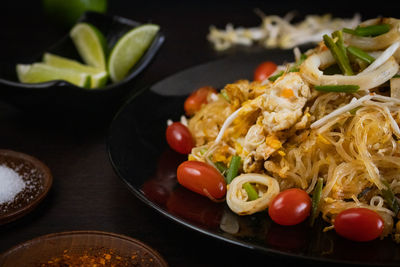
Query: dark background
(87, 194)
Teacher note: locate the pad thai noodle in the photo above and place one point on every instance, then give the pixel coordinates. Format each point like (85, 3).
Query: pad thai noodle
(326, 123)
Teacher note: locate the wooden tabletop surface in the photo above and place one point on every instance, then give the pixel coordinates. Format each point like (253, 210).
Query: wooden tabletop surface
(87, 194)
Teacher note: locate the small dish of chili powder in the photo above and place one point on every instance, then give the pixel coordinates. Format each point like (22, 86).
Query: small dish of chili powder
(83, 249)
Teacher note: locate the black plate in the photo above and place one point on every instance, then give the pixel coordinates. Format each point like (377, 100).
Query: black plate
(141, 157)
(62, 96)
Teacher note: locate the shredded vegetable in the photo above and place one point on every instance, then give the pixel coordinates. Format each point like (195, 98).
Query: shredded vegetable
(276, 31)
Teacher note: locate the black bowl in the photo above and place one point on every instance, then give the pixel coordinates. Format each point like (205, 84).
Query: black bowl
(61, 96)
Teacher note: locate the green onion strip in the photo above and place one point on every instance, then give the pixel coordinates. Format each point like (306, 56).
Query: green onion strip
(233, 169)
(221, 167)
(390, 199)
(316, 199)
(338, 35)
(276, 76)
(357, 52)
(339, 55)
(345, 88)
(371, 31)
(251, 192)
(294, 68)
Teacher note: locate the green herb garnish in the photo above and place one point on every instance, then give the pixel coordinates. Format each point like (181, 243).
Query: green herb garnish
(369, 31)
(337, 88)
(340, 56)
(233, 169)
(357, 52)
(251, 192)
(316, 198)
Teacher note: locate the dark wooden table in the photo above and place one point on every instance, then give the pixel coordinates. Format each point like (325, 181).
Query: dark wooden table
(87, 194)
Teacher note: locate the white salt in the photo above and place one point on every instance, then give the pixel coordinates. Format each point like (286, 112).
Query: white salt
(11, 183)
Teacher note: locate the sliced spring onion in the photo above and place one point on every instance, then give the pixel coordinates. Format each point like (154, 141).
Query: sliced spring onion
(203, 150)
(225, 95)
(357, 52)
(372, 30)
(390, 199)
(251, 192)
(295, 67)
(338, 35)
(349, 31)
(316, 198)
(221, 167)
(346, 88)
(276, 76)
(340, 57)
(233, 169)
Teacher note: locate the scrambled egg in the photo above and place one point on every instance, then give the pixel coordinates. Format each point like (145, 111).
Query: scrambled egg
(278, 109)
(281, 112)
(268, 112)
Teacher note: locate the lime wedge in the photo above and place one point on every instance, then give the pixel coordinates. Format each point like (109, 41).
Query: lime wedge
(90, 43)
(98, 77)
(40, 72)
(129, 49)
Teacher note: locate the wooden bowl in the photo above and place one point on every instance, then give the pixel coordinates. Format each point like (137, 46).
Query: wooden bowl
(61, 249)
(31, 170)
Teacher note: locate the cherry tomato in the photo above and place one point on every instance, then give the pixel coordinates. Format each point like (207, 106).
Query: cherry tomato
(179, 138)
(202, 178)
(290, 207)
(359, 224)
(264, 70)
(196, 99)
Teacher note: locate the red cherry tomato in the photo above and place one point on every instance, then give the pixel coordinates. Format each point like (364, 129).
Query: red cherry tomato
(179, 138)
(359, 224)
(199, 97)
(202, 178)
(290, 207)
(264, 70)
